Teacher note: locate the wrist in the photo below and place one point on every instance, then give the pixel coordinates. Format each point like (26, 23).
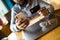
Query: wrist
(18, 28)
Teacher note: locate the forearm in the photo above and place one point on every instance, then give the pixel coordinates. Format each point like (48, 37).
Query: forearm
(12, 24)
(48, 6)
(14, 28)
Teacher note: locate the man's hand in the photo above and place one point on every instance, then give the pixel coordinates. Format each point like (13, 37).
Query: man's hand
(21, 24)
(43, 11)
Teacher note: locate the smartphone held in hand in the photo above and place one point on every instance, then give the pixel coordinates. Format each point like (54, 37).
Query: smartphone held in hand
(21, 15)
(21, 21)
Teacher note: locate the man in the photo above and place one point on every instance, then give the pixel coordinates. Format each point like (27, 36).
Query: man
(25, 6)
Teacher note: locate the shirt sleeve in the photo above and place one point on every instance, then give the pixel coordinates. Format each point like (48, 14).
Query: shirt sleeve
(15, 10)
(46, 5)
(13, 25)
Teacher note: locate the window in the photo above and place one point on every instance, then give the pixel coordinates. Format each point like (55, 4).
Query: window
(9, 3)
(3, 7)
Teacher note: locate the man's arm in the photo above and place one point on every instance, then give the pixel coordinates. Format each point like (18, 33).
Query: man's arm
(13, 25)
(48, 6)
(18, 24)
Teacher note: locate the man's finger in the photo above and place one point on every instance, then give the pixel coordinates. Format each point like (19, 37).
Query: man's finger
(21, 22)
(23, 25)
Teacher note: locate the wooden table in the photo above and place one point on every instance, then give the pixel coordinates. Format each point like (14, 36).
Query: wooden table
(52, 35)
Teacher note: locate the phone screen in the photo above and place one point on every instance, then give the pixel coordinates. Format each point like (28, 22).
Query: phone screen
(35, 9)
(21, 15)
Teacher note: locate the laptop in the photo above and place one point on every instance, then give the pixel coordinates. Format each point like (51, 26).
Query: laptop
(36, 31)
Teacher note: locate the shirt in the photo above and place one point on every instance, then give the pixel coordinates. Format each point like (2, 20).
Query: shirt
(17, 8)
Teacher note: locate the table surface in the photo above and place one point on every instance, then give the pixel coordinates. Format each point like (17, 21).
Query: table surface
(52, 35)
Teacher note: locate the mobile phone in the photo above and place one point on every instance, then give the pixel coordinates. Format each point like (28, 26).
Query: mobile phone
(21, 15)
(35, 9)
